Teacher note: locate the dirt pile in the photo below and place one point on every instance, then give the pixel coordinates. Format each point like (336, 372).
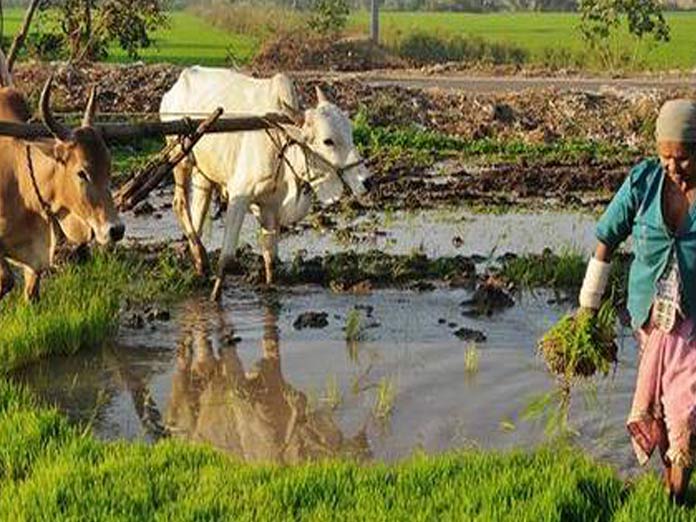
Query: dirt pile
(532, 116)
(122, 88)
(404, 187)
(297, 52)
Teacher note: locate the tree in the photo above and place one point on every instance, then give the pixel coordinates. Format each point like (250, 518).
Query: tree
(329, 17)
(83, 29)
(602, 22)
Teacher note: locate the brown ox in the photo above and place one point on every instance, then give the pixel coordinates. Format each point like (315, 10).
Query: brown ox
(63, 182)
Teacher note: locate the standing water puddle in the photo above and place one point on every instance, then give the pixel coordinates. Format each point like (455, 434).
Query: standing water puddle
(243, 378)
(442, 232)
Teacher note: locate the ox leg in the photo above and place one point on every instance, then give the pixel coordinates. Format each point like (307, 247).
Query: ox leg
(236, 210)
(6, 278)
(32, 283)
(269, 243)
(182, 173)
(201, 192)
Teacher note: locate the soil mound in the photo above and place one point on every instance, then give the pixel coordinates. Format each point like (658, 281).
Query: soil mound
(298, 52)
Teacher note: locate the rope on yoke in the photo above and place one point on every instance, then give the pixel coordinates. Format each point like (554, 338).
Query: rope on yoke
(45, 207)
(308, 152)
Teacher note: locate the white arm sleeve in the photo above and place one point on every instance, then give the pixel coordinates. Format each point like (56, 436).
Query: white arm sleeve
(594, 284)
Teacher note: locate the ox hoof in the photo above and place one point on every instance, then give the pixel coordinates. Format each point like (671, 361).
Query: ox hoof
(202, 268)
(200, 261)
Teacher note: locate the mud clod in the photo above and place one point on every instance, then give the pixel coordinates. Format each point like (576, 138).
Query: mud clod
(467, 334)
(491, 296)
(157, 314)
(134, 320)
(144, 208)
(311, 320)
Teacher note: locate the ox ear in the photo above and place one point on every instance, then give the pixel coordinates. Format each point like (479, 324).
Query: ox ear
(61, 151)
(321, 97)
(308, 127)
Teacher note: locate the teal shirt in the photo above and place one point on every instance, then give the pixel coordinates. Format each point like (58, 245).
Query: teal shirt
(636, 210)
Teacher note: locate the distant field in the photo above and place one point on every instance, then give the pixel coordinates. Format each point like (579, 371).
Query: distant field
(532, 31)
(190, 39)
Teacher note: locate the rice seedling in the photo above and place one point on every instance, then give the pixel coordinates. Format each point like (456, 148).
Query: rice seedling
(582, 344)
(507, 425)
(52, 471)
(471, 358)
(332, 393)
(384, 399)
(354, 329)
(80, 304)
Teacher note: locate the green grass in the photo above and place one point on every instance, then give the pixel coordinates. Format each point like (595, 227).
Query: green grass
(429, 145)
(127, 158)
(188, 40)
(561, 271)
(534, 32)
(50, 470)
(192, 40)
(80, 303)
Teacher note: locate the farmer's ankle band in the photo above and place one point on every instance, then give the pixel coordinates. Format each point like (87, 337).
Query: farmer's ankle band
(594, 284)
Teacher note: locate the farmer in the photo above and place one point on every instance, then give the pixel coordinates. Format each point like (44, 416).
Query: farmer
(655, 205)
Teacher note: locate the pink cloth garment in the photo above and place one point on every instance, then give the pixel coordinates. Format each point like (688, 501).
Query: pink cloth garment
(663, 414)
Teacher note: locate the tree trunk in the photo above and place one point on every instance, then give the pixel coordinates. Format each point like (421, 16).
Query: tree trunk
(374, 26)
(19, 38)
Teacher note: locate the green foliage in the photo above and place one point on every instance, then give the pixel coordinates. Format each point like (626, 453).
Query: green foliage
(84, 29)
(581, 344)
(80, 303)
(423, 48)
(329, 17)
(565, 270)
(376, 139)
(540, 35)
(131, 157)
(601, 20)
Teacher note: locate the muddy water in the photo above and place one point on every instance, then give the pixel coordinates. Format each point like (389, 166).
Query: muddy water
(242, 378)
(441, 232)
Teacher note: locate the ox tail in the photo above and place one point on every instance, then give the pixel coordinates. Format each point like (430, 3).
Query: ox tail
(5, 76)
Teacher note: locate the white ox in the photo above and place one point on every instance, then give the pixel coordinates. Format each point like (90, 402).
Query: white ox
(269, 173)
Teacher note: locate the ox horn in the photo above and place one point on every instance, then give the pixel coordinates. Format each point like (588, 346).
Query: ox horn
(91, 108)
(58, 130)
(5, 76)
(321, 97)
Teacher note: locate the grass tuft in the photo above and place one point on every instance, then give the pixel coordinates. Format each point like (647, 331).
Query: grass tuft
(80, 304)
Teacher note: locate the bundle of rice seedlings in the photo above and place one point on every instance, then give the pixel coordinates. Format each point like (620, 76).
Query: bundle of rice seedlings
(581, 344)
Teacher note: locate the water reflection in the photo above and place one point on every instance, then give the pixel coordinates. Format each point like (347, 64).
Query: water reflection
(410, 383)
(254, 413)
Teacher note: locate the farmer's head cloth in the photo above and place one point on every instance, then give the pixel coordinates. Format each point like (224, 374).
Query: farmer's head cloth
(677, 121)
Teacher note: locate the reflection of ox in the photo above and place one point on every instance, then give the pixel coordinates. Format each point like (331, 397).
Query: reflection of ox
(62, 182)
(271, 173)
(256, 415)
